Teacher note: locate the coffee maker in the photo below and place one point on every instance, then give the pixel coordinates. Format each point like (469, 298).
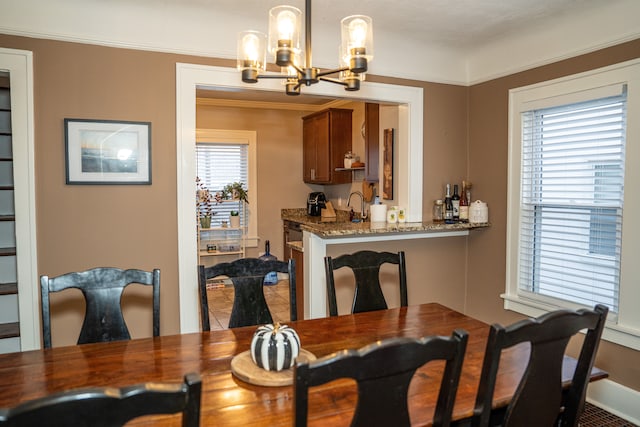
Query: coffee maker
(315, 203)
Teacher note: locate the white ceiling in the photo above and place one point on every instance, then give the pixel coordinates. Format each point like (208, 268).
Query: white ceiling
(453, 24)
(448, 41)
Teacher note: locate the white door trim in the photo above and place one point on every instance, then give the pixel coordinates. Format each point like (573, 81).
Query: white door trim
(189, 76)
(19, 64)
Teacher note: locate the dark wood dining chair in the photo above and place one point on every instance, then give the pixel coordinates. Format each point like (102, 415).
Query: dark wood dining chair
(539, 399)
(383, 372)
(247, 276)
(102, 289)
(108, 406)
(368, 295)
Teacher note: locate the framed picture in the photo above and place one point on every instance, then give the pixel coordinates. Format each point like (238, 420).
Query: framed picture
(107, 152)
(387, 165)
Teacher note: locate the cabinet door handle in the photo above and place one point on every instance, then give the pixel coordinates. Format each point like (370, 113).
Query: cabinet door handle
(313, 174)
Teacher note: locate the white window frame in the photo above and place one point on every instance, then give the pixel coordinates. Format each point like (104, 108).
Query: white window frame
(625, 328)
(222, 136)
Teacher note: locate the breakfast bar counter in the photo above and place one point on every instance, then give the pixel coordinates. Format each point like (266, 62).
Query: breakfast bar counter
(341, 226)
(319, 233)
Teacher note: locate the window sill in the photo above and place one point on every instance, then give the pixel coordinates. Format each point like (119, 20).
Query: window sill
(615, 333)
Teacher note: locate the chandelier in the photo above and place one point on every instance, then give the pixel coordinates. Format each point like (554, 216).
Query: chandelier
(283, 42)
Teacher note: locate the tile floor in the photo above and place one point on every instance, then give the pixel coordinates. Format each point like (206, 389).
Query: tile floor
(221, 300)
(277, 296)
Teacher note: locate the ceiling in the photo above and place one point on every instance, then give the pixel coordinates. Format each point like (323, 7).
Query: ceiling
(443, 41)
(453, 24)
(461, 25)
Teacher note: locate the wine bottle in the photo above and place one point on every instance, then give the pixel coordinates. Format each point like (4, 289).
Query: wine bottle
(448, 206)
(455, 201)
(464, 204)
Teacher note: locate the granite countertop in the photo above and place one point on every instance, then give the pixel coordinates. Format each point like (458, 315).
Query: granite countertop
(341, 226)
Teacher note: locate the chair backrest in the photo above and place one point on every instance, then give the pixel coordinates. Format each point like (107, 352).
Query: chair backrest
(539, 398)
(383, 372)
(249, 304)
(368, 295)
(102, 289)
(108, 406)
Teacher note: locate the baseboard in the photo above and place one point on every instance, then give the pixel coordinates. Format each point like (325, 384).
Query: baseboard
(615, 398)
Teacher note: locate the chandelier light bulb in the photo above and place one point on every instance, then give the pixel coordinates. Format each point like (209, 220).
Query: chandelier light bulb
(252, 55)
(251, 46)
(296, 71)
(357, 42)
(286, 27)
(358, 33)
(284, 33)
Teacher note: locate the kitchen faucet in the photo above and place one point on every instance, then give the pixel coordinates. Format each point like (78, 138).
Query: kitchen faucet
(363, 215)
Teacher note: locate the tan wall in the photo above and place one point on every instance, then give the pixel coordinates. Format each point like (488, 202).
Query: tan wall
(279, 152)
(435, 267)
(435, 271)
(445, 134)
(81, 226)
(445, 119)
(488, 127)
(136, 226)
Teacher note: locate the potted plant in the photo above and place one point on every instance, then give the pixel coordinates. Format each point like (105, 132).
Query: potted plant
(235, 191)
(204, 204)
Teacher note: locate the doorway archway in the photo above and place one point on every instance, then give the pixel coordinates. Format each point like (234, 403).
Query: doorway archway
(189, 77)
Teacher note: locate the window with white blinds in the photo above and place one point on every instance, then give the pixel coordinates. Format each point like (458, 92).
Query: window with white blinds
(219, 164)
(572, 188)
(573, 235)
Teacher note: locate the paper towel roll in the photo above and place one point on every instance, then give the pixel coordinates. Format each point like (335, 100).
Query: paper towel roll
(378, 213)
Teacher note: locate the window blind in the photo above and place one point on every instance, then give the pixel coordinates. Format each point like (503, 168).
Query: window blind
(219, 164)
(572, 201)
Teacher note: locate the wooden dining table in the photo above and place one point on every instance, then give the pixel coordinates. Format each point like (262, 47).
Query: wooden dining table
(229, 401)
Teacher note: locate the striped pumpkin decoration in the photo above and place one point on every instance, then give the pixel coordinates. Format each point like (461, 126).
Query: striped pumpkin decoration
(275, 347)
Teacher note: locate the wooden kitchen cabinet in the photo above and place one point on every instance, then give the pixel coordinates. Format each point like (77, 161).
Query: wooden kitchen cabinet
(326, 138)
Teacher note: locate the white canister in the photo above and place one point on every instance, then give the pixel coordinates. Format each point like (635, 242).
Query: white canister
(378, 213)
(478, 212)
(348, 159)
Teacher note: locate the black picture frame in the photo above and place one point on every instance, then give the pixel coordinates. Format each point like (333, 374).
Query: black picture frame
(107, 152)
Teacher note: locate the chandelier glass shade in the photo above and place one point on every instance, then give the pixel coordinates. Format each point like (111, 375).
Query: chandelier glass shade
(283, 44)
